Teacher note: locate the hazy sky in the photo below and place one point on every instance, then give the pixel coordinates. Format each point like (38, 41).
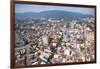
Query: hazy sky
(21, 8)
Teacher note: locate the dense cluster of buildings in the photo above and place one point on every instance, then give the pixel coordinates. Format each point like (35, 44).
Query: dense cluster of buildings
(54, 41)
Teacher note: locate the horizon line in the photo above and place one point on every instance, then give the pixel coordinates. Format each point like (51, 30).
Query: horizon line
(53, 10)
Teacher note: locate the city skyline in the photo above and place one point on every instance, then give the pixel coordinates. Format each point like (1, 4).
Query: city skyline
(59, 34)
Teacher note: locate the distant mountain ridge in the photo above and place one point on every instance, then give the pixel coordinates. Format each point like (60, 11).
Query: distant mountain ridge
(58, 14)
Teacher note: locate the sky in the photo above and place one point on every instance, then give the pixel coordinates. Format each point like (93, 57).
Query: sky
(22, 8)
